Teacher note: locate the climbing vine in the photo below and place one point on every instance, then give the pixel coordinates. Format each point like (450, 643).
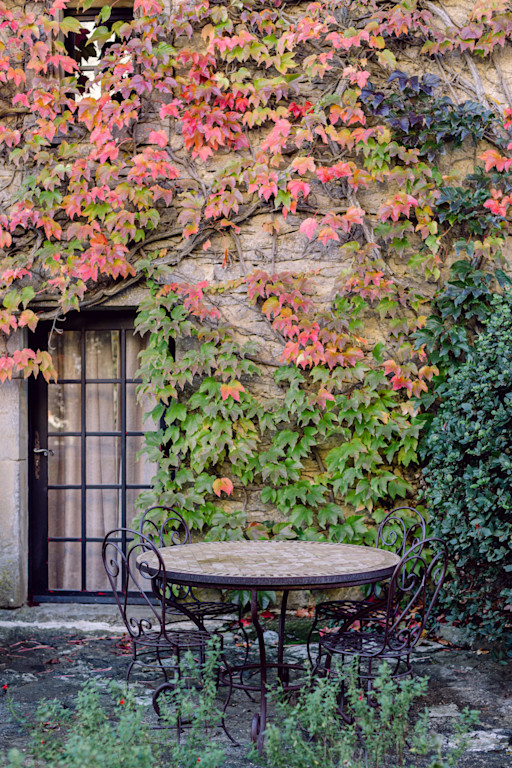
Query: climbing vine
(285, 119)
(332, 408)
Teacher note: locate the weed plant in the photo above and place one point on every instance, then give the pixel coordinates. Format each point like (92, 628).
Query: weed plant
(305, 733)
(96, 736)
(384, 732)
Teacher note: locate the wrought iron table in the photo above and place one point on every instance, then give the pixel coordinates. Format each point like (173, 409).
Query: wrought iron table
(278, 565)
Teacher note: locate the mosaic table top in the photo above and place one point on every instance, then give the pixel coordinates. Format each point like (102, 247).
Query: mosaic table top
(277, 564)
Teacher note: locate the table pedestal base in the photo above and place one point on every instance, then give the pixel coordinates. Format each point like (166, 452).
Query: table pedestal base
(233, 676)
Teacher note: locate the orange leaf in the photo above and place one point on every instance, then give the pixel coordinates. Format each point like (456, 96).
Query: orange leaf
(232, 389)
(222, 484)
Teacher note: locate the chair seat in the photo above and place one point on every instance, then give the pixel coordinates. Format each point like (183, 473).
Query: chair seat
(174, 639)
(335, 610)
(203, 609)
(366, 643)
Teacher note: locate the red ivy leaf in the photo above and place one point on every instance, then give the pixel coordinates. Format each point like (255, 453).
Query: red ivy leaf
(303, 164)
(222, 484)
(390, 366)
(232, 389)
(323, 396)
(295, 186)
(158, 137)
(308, 227)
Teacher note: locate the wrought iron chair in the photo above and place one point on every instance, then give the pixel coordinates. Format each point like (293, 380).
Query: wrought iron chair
(173, 532)
(182, 601)
(391, 635)
(155, 644)
(393, 533)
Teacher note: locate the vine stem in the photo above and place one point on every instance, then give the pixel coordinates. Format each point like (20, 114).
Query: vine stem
(446, 79)
(444, 16)
(503, 82)
(239, 250)
(321, 467)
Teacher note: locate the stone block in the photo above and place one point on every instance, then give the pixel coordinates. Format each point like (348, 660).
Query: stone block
(13, 583)
(13, 422)
(13, 533)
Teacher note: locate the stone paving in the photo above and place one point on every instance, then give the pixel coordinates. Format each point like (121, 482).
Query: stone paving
(49, 651)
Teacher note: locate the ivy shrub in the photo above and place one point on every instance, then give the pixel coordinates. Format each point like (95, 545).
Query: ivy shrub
(469, 471)
(459, 314)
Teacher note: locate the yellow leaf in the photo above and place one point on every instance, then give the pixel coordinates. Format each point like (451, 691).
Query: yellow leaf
(387, 59)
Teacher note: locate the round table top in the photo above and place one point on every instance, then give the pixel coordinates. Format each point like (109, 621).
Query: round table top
(271, 564)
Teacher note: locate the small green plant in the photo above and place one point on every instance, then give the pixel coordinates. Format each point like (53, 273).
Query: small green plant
(193, 699)
(385, 733)
(88, 737)
(94, 736)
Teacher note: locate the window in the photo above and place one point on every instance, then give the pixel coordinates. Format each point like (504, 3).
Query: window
(88, 54)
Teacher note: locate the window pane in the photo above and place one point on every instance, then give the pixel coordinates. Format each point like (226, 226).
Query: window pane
(103, 511)
(138, 471)
(64, 408)
(64, 565)
(102, 408)
(96, 578)
(64, 467)
(67, 355)
(103, 460)
(88, 54)
(134, 344)
(102, 358)
(65, 513)
(135, 411)
(132, 494)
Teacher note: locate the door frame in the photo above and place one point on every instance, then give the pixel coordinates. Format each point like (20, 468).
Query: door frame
(38, 588)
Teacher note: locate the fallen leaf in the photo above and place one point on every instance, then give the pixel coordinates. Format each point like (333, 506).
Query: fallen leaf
(305, 613)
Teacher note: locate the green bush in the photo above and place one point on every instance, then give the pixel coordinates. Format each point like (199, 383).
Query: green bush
(385, 732)
(469, 475)
(303, 734)
(94, 736)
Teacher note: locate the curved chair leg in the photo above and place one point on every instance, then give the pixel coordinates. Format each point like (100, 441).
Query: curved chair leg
(342, 696)
(132, 662)
(160, 664)
(167, 686)
(308, 644)
(226, 705)
(246, 655)
(129, 670)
